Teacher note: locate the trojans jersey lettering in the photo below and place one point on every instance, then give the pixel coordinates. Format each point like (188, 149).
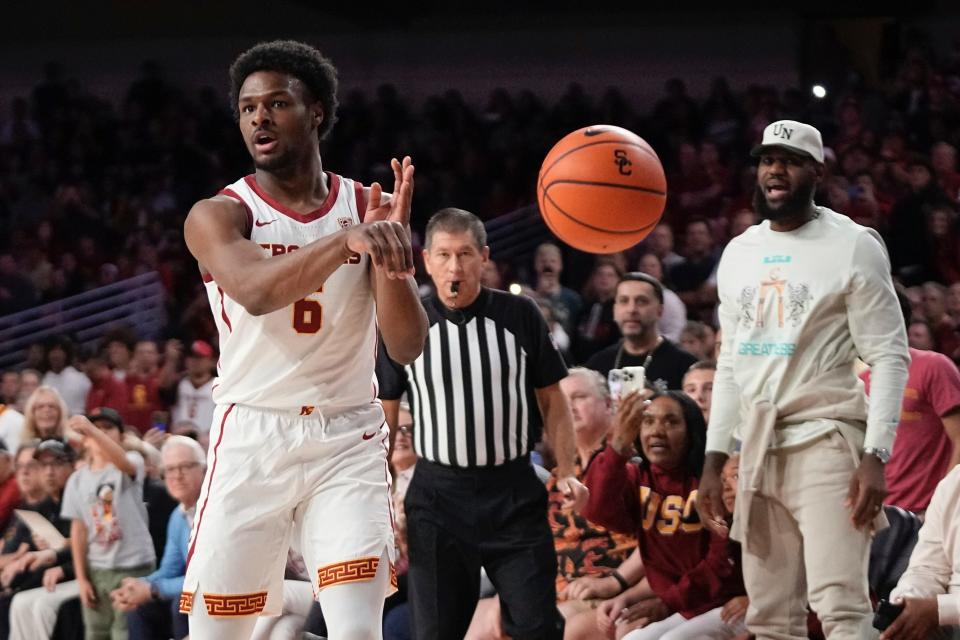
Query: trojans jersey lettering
(319, 351)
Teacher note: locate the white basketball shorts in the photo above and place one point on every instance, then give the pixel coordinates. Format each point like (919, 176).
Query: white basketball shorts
(275, 477)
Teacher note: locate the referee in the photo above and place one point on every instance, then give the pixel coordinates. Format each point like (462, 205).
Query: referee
(477, 392)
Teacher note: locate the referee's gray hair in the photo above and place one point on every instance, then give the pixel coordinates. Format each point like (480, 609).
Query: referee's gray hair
(594, 378)
(199, 455)
(456, 221)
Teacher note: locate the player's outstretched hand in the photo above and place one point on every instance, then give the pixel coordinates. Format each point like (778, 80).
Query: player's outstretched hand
(388, 244)
(397, 207)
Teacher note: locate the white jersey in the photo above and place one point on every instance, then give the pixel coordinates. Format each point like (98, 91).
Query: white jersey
(318, 352)
(195, 404)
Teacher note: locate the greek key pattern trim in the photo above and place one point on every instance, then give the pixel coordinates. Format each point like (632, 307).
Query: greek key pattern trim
(358, 570)
(238, 604)
(186, 603)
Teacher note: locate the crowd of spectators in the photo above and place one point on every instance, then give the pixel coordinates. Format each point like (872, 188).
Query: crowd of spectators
(93, 191)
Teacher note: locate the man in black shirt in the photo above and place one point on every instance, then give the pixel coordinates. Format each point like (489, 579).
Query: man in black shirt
(637, 308)
(485, 386)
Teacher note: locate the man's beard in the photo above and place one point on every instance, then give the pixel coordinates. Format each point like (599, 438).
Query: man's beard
(792, 207)
(281, 163)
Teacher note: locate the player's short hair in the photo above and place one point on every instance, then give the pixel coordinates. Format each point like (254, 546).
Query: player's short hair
(303, 62)
(598, 382)
(199, 456)
(639, 276)
(453, 220)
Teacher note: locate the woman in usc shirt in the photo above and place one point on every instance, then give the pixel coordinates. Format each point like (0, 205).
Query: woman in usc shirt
(690, 573)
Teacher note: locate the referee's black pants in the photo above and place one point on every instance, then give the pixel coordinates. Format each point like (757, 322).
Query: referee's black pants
(460, 519)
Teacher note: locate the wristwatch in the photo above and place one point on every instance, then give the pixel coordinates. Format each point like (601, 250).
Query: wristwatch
(882, 454)
(154, 591)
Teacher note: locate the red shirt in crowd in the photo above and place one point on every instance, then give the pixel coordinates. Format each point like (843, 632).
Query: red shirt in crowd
(9, 500)
(687, 566)
(142, 401)
(921, 449)
(108, 392)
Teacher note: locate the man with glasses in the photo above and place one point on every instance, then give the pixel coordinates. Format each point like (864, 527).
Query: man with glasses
(43, 578)
(152, 602)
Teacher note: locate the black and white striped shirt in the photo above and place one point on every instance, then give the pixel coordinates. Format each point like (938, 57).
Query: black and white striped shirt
(471, 391)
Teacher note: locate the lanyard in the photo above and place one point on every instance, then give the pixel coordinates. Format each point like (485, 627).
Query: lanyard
(646, 361)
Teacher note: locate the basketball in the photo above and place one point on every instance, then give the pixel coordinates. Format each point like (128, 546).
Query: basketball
(601, 189)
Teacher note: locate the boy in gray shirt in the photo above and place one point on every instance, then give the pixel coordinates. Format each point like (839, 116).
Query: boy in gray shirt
(108, 534)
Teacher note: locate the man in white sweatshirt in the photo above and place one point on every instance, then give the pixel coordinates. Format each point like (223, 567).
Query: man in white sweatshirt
(802, 296)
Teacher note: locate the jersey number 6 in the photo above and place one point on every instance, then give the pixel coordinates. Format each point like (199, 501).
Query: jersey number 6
(308, 315)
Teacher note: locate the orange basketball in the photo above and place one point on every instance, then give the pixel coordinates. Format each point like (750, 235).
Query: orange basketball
(601, 189)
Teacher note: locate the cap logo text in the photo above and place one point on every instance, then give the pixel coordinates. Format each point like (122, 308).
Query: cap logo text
(781, 131)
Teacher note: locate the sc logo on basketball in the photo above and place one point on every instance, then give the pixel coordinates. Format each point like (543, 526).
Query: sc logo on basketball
(622, 161)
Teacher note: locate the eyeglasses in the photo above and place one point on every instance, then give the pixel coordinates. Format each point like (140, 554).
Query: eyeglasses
(53, 464)
(180, 468)
(406, 429)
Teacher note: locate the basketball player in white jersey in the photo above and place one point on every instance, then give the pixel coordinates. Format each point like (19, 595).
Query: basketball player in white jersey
(301, 265)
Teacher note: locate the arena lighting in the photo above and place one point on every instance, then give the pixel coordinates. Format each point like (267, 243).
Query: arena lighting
(516, 289)
(819, 91)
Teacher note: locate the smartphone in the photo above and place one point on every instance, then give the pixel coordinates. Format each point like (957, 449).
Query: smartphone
(886, 613)
(625, 381)
(159, 420)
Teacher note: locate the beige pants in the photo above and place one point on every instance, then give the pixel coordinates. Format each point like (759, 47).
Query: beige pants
(807, 549)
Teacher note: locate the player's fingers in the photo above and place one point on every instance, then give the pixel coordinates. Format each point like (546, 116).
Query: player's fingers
(376, 195)
(400, 205)
(393, 238)
(397, 174)
(410, 267)
(375, 245)
(400, 250)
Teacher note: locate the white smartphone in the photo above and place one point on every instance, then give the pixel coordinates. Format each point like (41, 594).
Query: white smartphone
(624, 381)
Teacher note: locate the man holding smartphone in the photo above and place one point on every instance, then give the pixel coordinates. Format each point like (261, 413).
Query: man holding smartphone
(637, 308)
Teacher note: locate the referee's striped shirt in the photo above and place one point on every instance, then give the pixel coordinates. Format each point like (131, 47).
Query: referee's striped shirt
(471, 391)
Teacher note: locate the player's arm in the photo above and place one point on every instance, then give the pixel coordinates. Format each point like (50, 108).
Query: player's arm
(400, 315)
(391, 412)
(214, 232)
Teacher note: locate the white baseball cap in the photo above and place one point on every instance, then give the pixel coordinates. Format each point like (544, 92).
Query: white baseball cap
(791, 136)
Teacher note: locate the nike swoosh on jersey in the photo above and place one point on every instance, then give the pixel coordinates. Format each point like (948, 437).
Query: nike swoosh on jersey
(367, 436)
(263, 224)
